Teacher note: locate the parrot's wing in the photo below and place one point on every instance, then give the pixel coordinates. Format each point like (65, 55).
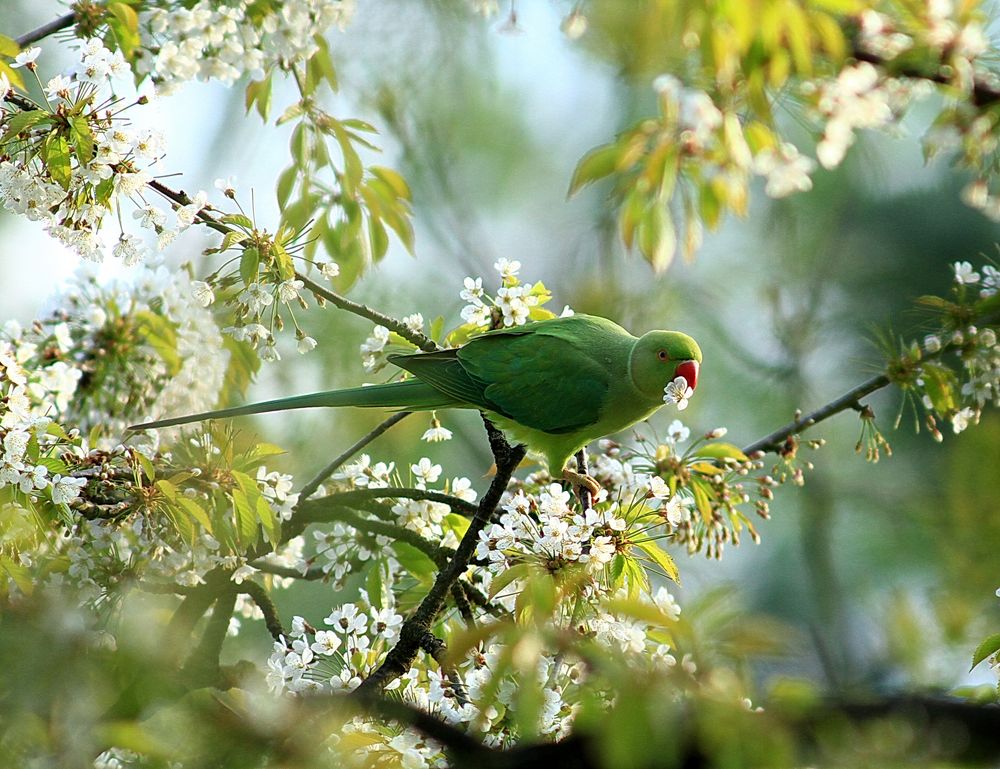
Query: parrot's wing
(546, 381)
(443, 371)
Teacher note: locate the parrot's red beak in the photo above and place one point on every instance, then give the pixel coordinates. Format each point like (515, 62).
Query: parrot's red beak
(689, 370)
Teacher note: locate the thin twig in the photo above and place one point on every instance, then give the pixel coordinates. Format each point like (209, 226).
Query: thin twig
(63, 22)
(582, 492)
(425, 343)
(848, 400)
(310, 488)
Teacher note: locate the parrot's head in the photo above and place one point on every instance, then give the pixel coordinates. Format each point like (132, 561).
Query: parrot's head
(659, 357)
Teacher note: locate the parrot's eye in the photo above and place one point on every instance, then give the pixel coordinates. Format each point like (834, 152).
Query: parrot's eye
(662, 355)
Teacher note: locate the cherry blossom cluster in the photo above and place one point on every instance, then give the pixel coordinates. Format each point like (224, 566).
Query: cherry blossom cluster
(110, 354)
(343, 549)
(512, 305)
(212, 41)
(74, 181)
(716, 141)
(954, 34)
(978, 354)
(859, 97)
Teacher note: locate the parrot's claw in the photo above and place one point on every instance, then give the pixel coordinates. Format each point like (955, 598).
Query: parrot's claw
(581, 480)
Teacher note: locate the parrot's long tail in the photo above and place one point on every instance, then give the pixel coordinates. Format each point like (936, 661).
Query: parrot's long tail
(410, 395)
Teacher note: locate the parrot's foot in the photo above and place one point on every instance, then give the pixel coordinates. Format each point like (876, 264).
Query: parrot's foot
(581, 480)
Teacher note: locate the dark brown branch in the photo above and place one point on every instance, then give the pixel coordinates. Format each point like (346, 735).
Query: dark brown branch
(310, 488)
(401, 656)
(848, 400)
(984, 93)
(56, 25)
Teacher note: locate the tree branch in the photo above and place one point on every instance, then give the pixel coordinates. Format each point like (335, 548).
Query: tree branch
(63, 22)
(310, 488)
(458, 505)
(260, 597)
(848, 400)
(400, 657)
(425, 343)
(329, 509)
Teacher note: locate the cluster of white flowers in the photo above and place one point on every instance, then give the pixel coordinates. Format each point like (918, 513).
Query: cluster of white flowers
(979, 351)
(102, 160)
(715, 140)
(341, 548)
(959, 37)
(209, 41)
(548, 528)
(513, 303)
(859, 97)
(335, 659)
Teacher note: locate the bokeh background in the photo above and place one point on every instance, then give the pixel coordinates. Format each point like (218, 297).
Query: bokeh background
(878, 575)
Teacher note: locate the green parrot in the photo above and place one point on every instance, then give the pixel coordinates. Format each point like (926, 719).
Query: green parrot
(553, 385)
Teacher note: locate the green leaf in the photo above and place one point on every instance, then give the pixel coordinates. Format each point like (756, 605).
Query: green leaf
(259, 92)
(320, 65)
(196, 511)
(393, 180)
(243, 364)
(249, 265)
(374, 584)
(258, 505)
(83, 139)
(720, 450)
(286, 183)
(291, 112)
(239, 220)
(639, 610)
(660, 558)
(56, 154)
(124, 22)
(246, 517)
(19, 122)
(54, 464)
(9, 47)
(232, 238)
(596, 164)
(286, 269)
(160, 334)
(701, 500)
(459, 524)
(13, 75)
(378, 238)
(991, 645)
(504, 578)
(21, 576)
(417, 563)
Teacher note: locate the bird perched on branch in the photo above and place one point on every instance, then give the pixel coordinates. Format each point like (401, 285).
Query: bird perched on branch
(553, 385)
